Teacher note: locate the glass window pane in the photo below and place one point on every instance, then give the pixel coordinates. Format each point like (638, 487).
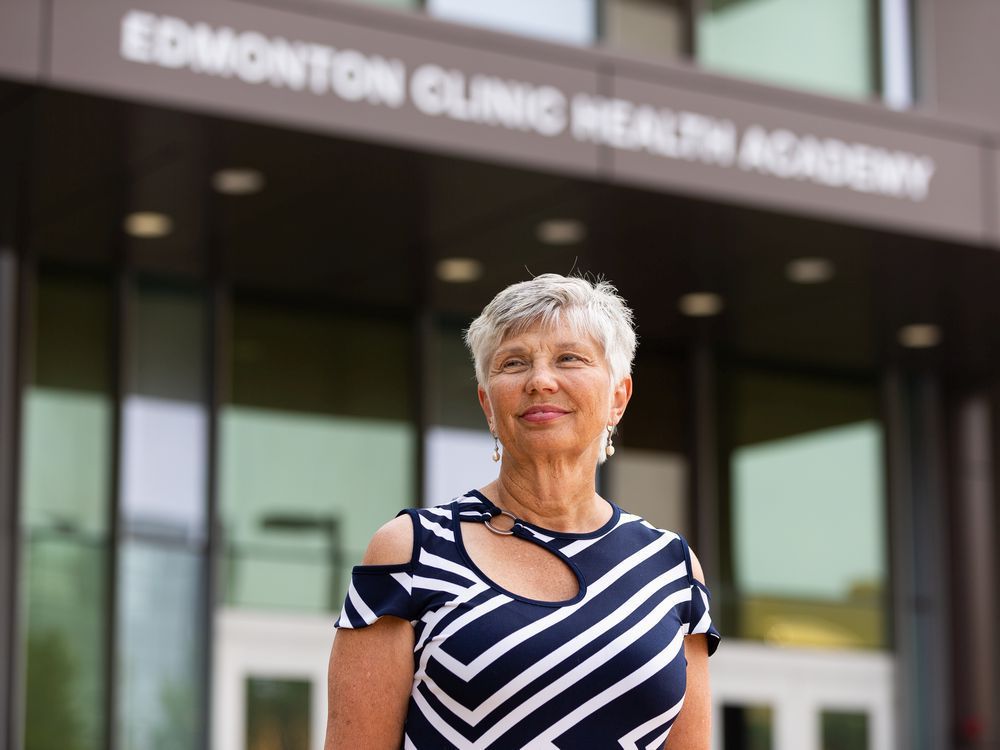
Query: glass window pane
(317, 451)
(64, 581)
(67, 408)
(458, 447)
(454, 401)
(456, 461)
(165, 423)
(160, 650)
(747, 727)
(569, 21)
(820, 45)
(651, 27)
(651, 484)
(277, 714)
(808, 535)
(161, 558)
(844, 730)
(648, 474)
(66, 473)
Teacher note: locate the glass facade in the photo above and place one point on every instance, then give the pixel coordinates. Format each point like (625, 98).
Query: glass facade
(458, 447)
(818, 45)
(568, 21)
(654, 28)
(326, 408)
(163, 518)
(858, 49)
(318, 383)
(850, 48)
(807, 511)
(650, 475)
(747, 727)
(277, 714)
(845, 730)
(316, 450)
(65, 500)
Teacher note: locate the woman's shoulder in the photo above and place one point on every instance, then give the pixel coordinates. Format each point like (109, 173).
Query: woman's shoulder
(642, 526)
(394, 543)
(672, 538)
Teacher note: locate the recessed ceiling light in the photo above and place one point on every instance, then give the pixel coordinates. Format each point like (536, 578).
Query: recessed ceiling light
(700, 304)
(809, 270)
(561, 231)
(148, 224)
(233, 181)
(459, 270)
(920, 336)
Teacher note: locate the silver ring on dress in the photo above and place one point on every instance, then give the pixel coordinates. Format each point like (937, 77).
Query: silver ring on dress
(504, 532)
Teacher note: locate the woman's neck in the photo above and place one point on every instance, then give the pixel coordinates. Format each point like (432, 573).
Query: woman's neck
(554, 497)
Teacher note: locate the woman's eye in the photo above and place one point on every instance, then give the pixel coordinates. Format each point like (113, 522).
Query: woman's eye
(508, 364)
(568, 358)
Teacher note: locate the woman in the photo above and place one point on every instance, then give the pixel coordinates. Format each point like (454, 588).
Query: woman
(532, 612)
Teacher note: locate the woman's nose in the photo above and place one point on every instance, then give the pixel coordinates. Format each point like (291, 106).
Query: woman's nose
(541, 378)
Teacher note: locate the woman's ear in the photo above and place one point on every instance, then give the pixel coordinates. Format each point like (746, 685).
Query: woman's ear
(484, 402)
(619, 399)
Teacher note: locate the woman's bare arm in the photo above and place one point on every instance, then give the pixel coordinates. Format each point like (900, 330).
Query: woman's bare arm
(371, 669)
(692, 730)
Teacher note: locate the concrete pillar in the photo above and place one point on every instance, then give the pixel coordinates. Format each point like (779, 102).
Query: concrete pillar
(974, 562)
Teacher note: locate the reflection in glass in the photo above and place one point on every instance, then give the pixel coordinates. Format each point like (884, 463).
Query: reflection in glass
(807, 486)
(651, 484)
(822, 45)
(160, 561)
(844, 730)
(454, 402)
(456, 461)
(160, 649)
(163, 472)
(569, 21)
(65, 471)
(165, 424)
(650, 27)
(648, 475)
(277, 714)
(316, 452)
(65, 591)
(66, 459)
(458, 447)
(747, 727)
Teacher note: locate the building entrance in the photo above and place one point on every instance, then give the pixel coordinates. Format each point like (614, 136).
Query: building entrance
(240, 353)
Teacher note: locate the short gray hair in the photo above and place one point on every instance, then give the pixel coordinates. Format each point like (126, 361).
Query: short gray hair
(594, 308)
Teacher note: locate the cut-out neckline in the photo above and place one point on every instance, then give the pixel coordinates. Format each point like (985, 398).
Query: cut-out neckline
(528, 538)
(610, 524)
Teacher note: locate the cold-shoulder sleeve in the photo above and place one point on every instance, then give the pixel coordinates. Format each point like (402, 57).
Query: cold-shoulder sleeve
(699, 619)
(377, 591)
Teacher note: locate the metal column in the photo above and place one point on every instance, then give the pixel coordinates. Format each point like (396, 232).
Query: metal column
(9, 412)
(918, 529)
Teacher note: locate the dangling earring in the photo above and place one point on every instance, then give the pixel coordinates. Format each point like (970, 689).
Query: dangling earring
(609, 449)
(496, 447)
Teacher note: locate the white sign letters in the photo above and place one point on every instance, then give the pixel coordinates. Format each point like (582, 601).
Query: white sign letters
(541, 109)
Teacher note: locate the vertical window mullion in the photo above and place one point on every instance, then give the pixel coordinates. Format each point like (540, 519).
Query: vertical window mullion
(118, 351)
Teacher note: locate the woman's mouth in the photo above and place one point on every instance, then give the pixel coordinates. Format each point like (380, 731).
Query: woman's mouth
(543, 413)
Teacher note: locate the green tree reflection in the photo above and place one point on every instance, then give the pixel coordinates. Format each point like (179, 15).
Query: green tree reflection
(52, 720)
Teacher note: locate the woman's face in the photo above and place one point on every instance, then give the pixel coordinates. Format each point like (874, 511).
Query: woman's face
(549, 392)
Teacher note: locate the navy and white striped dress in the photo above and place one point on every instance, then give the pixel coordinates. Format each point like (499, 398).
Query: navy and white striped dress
(492, 669)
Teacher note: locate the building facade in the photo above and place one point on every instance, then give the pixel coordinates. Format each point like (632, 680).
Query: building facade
(239, 240)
